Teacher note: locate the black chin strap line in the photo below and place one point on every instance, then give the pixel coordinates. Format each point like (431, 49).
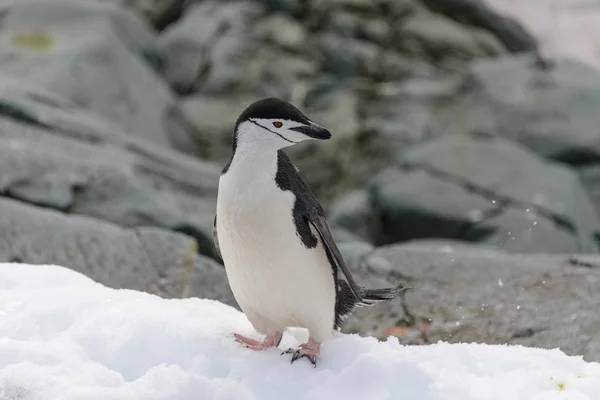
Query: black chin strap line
(264, 127)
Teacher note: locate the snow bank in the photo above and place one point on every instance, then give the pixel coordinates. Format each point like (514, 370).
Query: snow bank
(63, 336)
(565, 28)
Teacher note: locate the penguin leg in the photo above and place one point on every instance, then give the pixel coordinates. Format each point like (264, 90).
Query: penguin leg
(310, 350)
(271, 340)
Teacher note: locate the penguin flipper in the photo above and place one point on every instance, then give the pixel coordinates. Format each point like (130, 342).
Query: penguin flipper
(319, 222)
(308, 212)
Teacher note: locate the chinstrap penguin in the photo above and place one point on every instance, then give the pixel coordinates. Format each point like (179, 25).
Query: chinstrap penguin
(273, 238)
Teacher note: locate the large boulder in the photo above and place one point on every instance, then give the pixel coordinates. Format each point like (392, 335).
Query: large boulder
(478, 14)
(54, 154)
(160, 13)
(552, 109)
(486, 190)
(546, 106)
(102, 57)
(404, 112)
(462, 293)
(353, 212)
(549, 108)
(147, 259)
(215, 117)
(436, 37)
(207, 49)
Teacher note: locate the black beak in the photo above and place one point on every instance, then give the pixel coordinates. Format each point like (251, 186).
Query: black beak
(314, 131)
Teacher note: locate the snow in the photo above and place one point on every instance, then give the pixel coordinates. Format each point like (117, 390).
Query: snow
(63, 336)
(565, 28)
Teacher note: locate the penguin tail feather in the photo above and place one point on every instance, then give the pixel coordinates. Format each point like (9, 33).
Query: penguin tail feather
(347, 302)
(374, 296)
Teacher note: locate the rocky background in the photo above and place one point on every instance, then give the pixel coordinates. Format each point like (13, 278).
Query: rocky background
(462, 162)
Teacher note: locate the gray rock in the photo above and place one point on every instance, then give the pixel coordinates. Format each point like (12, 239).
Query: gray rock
(552, 111)
(268, 73)
(99, 56)
(127, 24)
(396, 9)
(215, 117)
(480, 190)
(342, 236)
(229, 59)
(395, 67)
(436, 37)
(367, 134)
(338, 110)
(160, 13)
(229, 54)
(491, 165)
(520, 230)
(590, 177)
(353, 211)
(355, 252)
(55, 155)
(479, 14)
(212, 41)
(468, 294)
(147, 259)
(376, 30)
(355, 5)
(403, 111)
(282, 31)
(409, 27)
(415, 204)
(345, 57)
(287, 6)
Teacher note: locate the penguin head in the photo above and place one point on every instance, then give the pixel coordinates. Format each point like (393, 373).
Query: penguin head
(273, 124)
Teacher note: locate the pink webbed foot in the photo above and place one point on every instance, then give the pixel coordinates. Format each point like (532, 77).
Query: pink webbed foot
(310, 350)
(269, 341)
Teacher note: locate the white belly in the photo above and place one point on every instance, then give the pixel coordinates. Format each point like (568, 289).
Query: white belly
(277, 281)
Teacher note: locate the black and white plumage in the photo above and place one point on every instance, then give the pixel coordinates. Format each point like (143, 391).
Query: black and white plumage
(272, 235)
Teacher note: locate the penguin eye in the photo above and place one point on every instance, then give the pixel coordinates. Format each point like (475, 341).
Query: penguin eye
(277, 124)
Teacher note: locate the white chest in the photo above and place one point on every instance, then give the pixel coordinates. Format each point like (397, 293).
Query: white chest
(255, 227)
(253, 211)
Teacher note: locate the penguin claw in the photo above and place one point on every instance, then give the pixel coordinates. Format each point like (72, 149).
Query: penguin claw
(309, 350)
(297, 353)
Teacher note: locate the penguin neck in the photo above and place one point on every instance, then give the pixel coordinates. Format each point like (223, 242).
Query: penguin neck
(254, 154)
(252, 161)
(249, 182)
(252, 171)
